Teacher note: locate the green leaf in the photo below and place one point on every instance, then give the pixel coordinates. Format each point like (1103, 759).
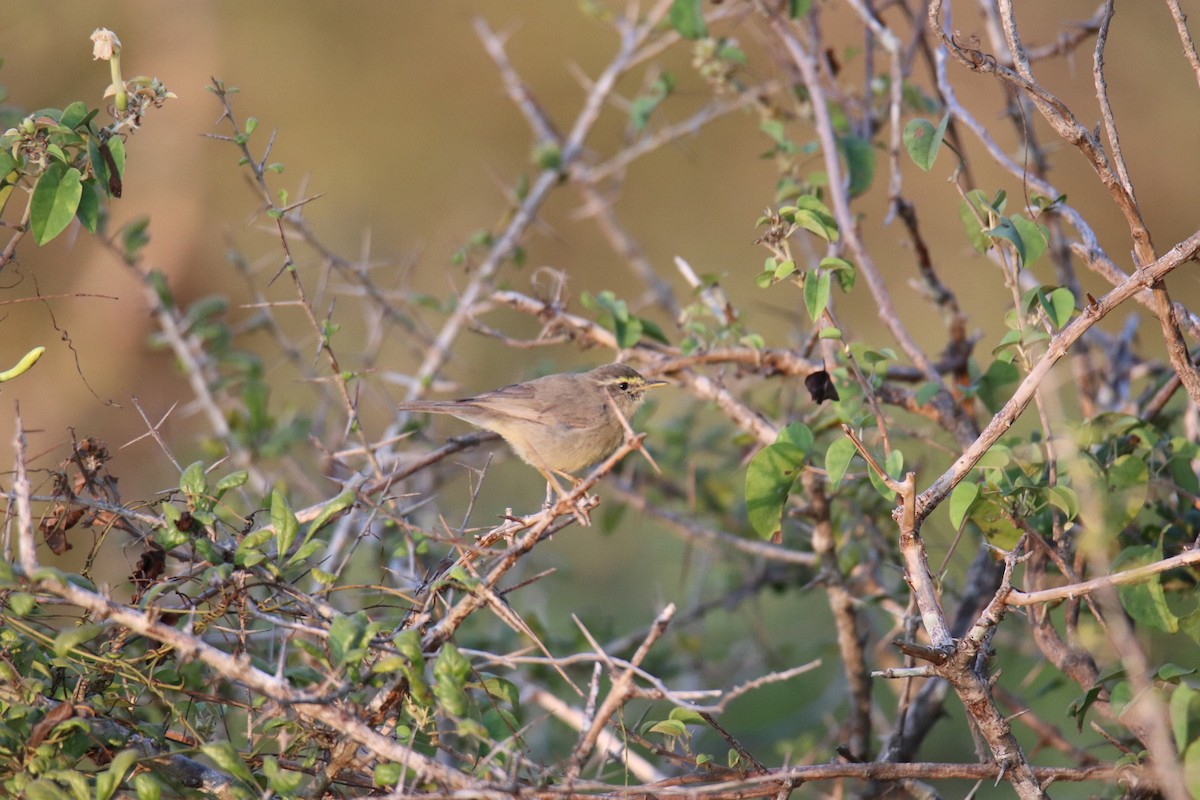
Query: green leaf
(1171, 672)
(501, 689)
(668, 727)
(816, 293)
(1128, 482)
(334, 507)
(975, 234)
(797, 434)
(193, 482)
(1004, 230)
(961, 500)
(108, 781)
(232, 481)
(55, 201)
(860, 162)
(811, 214)
(71, 638)
(249, 551)
(798, 8)
(644, 104)
(1035, 237)
(116, 148)
(926, 392)
(388, 774)
(627, 328)
(784, 269)
(769, 479)
(687, 18)
(837, 460)
(284, 783)
(994, 519)
(1191, 768)
(686, 716)
(1059, 306)
(894, 466)
(923, 141)
(1065, 499)
(147, 787)
(1145, 601)
(88, 212)
(8, 164)
(227, 758)
(73, 114)
(348, 639)
(22, 603)
(283, 520)
(450, 673)
(994, 383)
(841, 269)
(134, 237)
(1184, 711)
(814, 223)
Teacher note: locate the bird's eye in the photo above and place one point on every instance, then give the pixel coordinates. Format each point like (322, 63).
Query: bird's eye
(623, 386)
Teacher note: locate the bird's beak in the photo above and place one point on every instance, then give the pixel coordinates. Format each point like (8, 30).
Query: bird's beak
(654, 384)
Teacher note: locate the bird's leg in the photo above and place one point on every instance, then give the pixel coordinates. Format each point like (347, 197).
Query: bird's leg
(554, 488)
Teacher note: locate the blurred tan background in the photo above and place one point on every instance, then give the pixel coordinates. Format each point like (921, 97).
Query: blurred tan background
(394, 114)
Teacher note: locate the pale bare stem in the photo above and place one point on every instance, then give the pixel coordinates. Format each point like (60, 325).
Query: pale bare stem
(1176, 349)
(326, 710)
(1127, 577)
(851, 633)
(1057, 347)
(868, 390)
(1088, 249)
(621, 690)
(899, 71)
(529, 531)
(518, 625)
(1106, 112)
(1185, 36)
(807, 65)
(669, 361)
(652, 142)
(744, 416)
(358, 272)
(1068, 127)
(891, 483)
(516, 89)
(916, 565)
(26, 543)
(1146, 714)
(642, 769)
(278, 215)
(960, 666)
(692, 531)
(632, 38)
(153, 432)
(198, 368)
(904, 673)
(19, 231)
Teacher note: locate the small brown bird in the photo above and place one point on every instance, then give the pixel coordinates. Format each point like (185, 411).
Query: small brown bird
(557, 424)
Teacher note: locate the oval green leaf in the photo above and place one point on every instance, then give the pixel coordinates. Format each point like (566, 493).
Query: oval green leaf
(769, 479)
(55, 200)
